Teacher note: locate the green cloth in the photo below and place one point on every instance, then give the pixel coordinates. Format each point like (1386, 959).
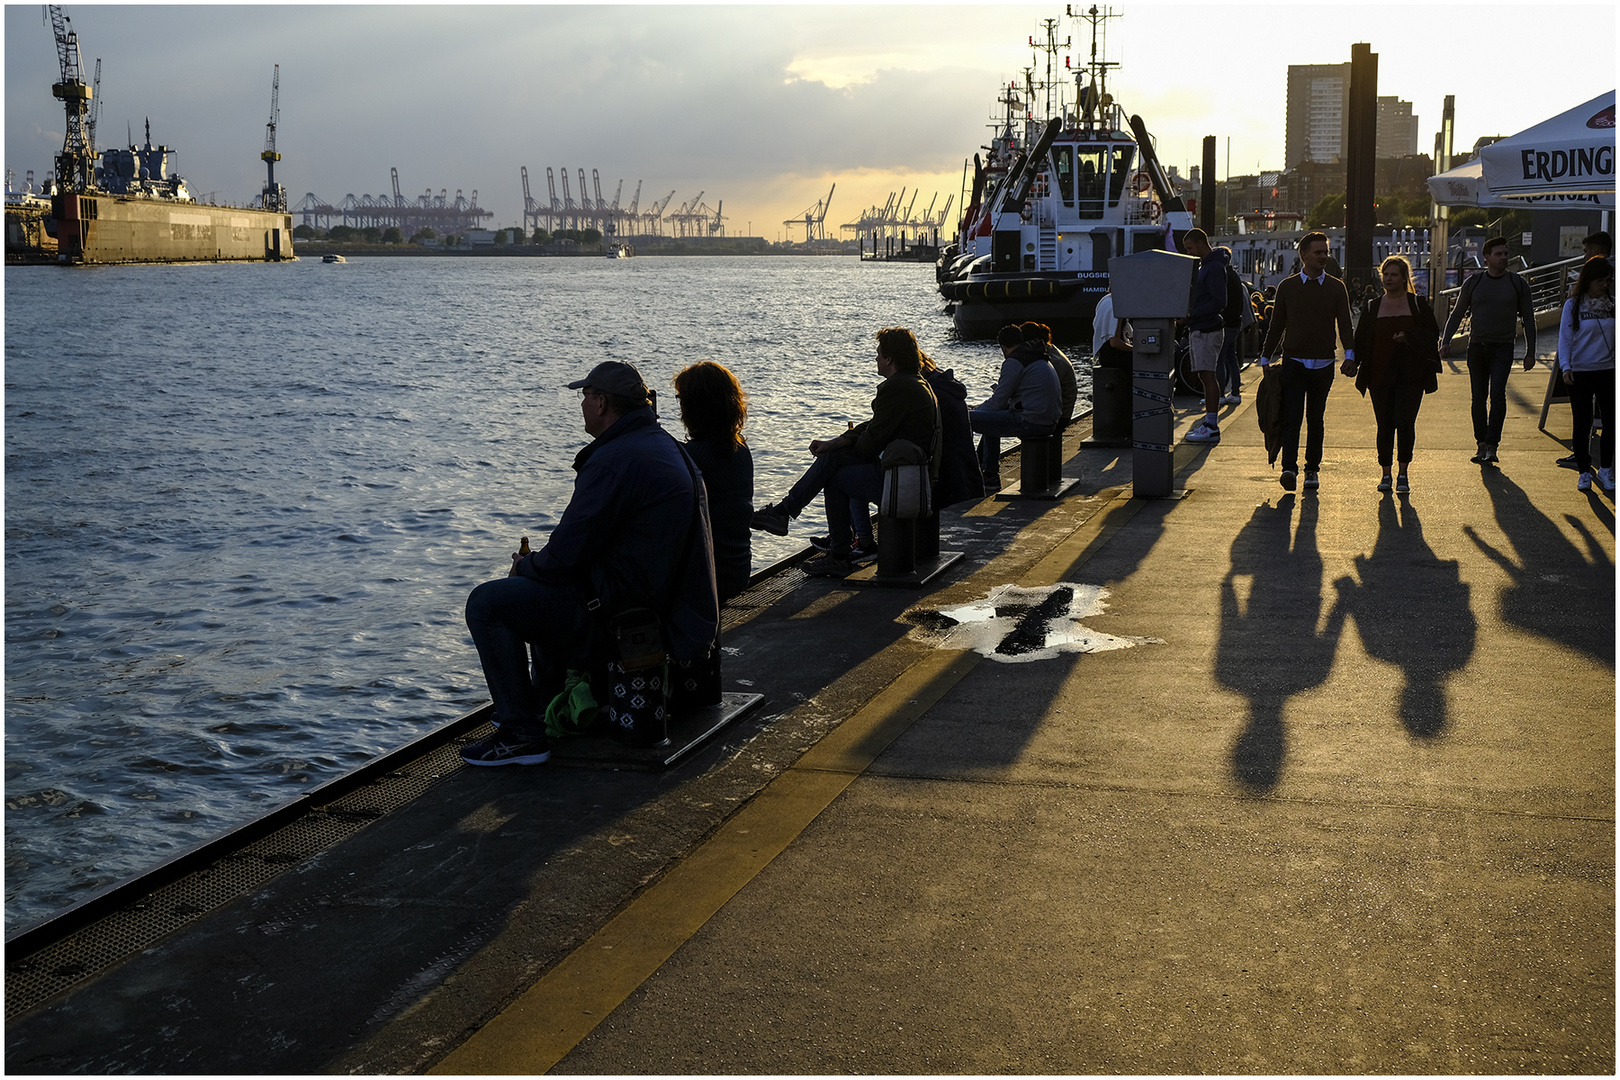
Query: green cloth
(573, 711)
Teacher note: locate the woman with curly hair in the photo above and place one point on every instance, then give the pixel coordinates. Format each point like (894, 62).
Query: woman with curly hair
(713, 409)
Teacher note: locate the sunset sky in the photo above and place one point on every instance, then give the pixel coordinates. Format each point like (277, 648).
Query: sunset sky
(761, 106)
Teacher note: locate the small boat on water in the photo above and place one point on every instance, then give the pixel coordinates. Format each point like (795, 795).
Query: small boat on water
(621, 250)
(1056, 198)
(333, 257)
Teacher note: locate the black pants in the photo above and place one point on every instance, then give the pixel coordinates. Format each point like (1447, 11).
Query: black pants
(1489, 363)
(1585, 389)
(1304, 400)
(1396, 409)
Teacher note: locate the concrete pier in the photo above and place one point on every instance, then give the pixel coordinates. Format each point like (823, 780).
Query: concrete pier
(1343, 804)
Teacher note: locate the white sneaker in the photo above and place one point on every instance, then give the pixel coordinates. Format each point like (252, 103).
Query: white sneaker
(1204, 432)
(1232, 399)
(1584, 483)
(1606, 478)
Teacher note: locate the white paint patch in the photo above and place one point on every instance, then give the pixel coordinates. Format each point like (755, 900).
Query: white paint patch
(1016, 625)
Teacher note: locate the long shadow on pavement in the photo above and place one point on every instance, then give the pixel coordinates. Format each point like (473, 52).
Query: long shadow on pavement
(1546, 568)
(1413, 610)
(1270, 648)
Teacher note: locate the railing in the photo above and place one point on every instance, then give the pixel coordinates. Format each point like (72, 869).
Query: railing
(1549, 288)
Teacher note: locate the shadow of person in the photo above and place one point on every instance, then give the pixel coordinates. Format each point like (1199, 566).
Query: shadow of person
(1558, 591)
(1412, 610)
(1270, 647)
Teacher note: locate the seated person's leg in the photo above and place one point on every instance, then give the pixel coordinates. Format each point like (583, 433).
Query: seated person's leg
(860, 484)
(505, 617)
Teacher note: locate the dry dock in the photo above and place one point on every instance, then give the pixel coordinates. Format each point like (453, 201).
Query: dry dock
(1345, 804)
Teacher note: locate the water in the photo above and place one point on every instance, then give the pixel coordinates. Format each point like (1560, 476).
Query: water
(245, 503)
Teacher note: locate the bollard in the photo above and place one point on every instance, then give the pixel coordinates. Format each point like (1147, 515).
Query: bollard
(1110, 407)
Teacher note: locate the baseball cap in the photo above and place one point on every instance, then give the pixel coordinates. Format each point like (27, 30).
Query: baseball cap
(614, 377)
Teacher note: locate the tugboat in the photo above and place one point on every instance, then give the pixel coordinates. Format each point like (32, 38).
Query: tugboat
(1055, 200)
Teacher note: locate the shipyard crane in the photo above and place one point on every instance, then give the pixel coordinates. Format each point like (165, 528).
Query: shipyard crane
(95, 108)
(531, 211)
(814, 218)
(570, 218)
(614, 211)
(554, 217)
(715, 226)
(656, 215)
(275, 196)
(635, 202)
(75, 165)
(399, 200)
(588, 211)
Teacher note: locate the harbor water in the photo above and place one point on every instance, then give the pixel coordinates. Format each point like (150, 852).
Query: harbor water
(245, 503)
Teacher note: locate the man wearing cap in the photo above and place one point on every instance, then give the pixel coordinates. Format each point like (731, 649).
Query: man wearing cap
(635, 534)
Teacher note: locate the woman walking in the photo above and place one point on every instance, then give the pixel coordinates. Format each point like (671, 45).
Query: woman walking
(1586, 355)
(1397, 360)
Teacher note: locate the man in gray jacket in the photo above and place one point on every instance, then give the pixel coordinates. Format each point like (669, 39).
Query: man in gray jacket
(1025, 400)
(1498, 300)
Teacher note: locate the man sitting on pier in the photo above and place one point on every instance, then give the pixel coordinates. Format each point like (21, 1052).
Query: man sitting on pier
(635, 534)
(1025, 400)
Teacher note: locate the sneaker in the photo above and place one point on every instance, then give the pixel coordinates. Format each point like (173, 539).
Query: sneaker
(828, 565)
(499, 749)
(1287, 479)
(1384, 484)
(821, 543)
(1232, 399)
(1606, 478)
(1584, 483)
(863, 550)
(1204, 432)
(772, 519)
(1480, 457)
(1311, 482)
(1490, 452)
(1401, 485)
(1567, 462)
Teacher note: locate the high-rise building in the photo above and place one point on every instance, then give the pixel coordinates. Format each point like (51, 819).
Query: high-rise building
(1397, 128)
(1317, 121)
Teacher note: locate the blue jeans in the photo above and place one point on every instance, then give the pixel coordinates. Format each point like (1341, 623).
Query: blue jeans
(507, 616)
(844, 484)
(1226, 369)
(1488, 365)
(993, 424)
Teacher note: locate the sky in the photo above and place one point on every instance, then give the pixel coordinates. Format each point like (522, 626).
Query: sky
(761, 108)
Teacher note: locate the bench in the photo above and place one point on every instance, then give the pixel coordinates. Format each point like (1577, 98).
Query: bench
(1040, 470)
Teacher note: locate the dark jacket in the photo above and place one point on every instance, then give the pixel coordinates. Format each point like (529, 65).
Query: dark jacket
(904, 408)
(1416, 362)
(959, 474)
(728, 479)
(1068, 387)
(1268, 405)
(624, 530)
(1209, 293)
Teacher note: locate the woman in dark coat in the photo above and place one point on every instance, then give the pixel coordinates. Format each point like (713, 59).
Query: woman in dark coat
(1396, 364)
(713, 408)
(959, 474)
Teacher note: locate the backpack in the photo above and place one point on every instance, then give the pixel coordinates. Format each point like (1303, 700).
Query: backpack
(1466, 296)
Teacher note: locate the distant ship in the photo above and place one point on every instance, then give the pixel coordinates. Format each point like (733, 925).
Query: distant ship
(129, 208)
(1055, 200)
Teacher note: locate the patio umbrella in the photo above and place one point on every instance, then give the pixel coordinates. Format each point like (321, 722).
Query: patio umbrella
(1571, 154)
(1465, 186)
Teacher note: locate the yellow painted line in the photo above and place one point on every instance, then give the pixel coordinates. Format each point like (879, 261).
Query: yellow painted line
(553, 1016)
(560, 1010)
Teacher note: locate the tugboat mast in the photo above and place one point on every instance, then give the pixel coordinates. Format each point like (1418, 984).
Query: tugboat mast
(1098, 99)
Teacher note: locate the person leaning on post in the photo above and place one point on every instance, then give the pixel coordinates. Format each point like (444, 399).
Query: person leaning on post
(635, 534)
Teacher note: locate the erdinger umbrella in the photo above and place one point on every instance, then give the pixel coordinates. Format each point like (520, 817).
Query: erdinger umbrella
(1465, 186)
(1571, 154)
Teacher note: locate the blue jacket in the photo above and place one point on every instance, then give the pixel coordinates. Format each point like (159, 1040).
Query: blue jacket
(625, 528)
(1209, 293)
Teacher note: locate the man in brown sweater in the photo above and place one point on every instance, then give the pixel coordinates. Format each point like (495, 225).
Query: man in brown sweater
(1310, 317)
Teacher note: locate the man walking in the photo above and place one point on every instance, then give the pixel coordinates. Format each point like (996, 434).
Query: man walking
(1207, 326)
(1498, 299)
(1309, 318)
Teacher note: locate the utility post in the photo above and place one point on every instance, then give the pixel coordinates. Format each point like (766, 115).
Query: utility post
(1361, 161)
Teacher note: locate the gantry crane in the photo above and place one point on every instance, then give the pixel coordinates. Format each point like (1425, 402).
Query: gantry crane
(555, 216)
(655, 216)
(531, 211)
(814, 219)
(75, 165)
(95, 107)
(275, 196)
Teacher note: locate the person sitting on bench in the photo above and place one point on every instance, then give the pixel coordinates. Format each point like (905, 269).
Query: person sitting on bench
(1025, 400)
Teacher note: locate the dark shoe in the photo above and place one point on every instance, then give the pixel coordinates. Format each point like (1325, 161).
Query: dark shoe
(1287, 479)
(864, 550)
(1567, 462)
(1311, 482)
(501, 749)
(772, 519)
(821, 543)
(828, 565)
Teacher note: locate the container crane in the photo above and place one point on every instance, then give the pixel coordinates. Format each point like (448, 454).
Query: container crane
(717, 226)
(656, 214)
(531, 210)
(555, 216)
(75, 165)
(275, 196)
(814, 219)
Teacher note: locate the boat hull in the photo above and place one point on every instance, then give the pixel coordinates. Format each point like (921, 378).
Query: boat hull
(1064, 303)
(97, 229)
